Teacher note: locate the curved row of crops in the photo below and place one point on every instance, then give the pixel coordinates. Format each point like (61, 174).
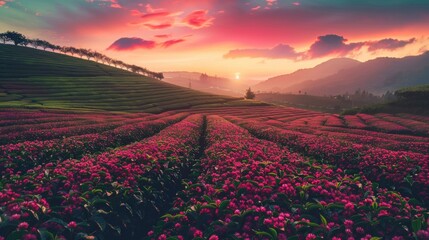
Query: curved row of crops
(116, 193)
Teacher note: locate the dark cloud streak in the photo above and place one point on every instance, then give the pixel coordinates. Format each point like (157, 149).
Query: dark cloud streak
(128, 44)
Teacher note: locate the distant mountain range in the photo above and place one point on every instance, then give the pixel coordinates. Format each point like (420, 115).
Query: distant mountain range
(283, 83)
(341, 75)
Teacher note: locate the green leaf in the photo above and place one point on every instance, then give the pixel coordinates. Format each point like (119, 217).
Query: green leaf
(323, 219)
(417, 224)
(16, 235)
(128, 208)
(254, 183)
(211, 206)
(80, 236)
(223, 205)
(99, 220)
(95, 191)
(115, 228)
(273, 232)
(375, 238)
(58, 221)
(35, 215)
(264, 234)
(208, 199)
(311, 224)
(45, 235)
(100, 201)
(375, 186)
(169, 216)
(335, 205)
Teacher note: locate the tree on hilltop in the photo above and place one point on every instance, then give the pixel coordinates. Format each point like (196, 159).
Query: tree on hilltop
(249, 94)
(4, 38)
(37, 43)
(15, 37)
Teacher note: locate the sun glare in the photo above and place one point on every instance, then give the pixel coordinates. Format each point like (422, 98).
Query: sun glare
(237, 76)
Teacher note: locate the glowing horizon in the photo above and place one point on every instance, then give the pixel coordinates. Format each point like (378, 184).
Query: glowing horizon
(255, 38)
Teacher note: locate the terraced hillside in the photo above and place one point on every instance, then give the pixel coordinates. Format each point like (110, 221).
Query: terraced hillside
(40, 79)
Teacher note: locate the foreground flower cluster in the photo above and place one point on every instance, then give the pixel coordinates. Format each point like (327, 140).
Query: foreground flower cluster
(399, 169)
(250, 188)
(118, 193)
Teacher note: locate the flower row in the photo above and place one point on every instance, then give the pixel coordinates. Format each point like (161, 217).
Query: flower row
(118, 193)
(400, 169)
(19, 157)
(372, 139)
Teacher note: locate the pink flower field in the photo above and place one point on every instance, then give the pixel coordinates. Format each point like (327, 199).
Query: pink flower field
(213, 173)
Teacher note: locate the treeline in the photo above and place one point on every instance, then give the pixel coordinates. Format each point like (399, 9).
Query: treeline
(334, 104)
(19, 39)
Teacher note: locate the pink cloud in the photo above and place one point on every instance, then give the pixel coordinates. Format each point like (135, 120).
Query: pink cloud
(3, 2)
(158, 26)
(198, 19)
(150, 9)
(155, 15)
(135, 12)
(115, 5)
(279, 51)
(271, 2)
(256, 8)
(163, 35)
(128, 44)
(169, 43)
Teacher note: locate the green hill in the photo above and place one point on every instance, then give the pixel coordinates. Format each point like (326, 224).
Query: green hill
(33, 78)
(414, 100)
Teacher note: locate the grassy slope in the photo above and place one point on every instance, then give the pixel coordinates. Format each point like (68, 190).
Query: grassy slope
(37, 79)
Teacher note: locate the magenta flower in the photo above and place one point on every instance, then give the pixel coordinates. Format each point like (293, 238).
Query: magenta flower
(72, 224)
(23, 226)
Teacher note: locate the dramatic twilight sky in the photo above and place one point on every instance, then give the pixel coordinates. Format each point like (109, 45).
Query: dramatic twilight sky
(257, 38)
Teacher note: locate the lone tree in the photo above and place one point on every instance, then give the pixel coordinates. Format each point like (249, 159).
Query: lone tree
(15, 37)
(249, 94)
(4, 38)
